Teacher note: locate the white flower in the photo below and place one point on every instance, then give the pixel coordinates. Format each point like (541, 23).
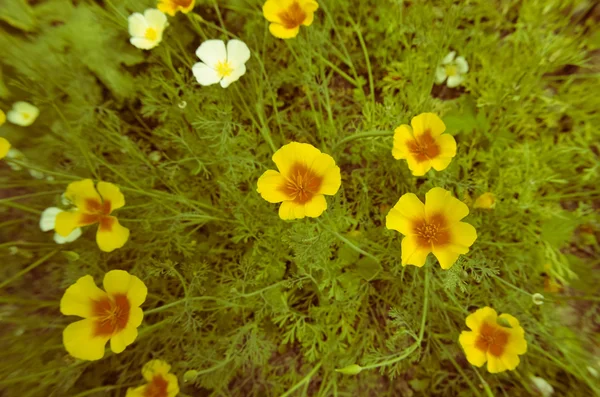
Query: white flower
(542, 385)
(452, 68)
(220, 64)
(147, 30)
(47, 222)
(23, 114)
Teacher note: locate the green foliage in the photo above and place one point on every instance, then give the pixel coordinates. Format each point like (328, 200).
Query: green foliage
(245, 304)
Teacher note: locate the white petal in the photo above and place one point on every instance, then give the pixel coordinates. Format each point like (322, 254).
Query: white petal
(234, 76)
(238, 53)
(48, 218)
(205, 75)
(449, 58)
(75, 234)
(137, 25)
(461, 65)
(440, 74)
(211, 52)
(23, 114)
(454, 81)
(156, 19)
(143, 44)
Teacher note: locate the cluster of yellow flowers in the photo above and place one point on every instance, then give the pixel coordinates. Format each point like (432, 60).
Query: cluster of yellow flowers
(303, 178)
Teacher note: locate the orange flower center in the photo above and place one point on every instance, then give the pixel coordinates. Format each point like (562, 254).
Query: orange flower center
(182, 3)
(432, 231)
(111, 315)
(98, 211)
(293, 16)
(157, 387)
(492, 339)
(424, 147)
(302, 183)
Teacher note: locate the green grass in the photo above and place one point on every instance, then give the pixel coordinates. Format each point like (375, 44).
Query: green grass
(263, 307)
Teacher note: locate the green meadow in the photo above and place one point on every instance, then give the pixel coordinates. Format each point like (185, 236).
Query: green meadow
(241, 302)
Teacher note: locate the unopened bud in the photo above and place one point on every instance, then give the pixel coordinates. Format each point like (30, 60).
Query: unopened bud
(350, 369)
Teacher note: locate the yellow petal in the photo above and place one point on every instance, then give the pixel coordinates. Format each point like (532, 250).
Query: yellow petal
(418, 168)
(80, 342)
(324, 166)
(440, 163)
(68, 221)
(123, 338)
(4, 147)
(497, 364)
(2, 118)
(462, 235)
(112, 194)
(155, 367)
(168, 7)
(139, 391)
(428, 122)
(111, 235)
(315, 206)
(445, 255)
(467, 340)
(119, 282)
(293, 153)
(413, 253)
(485, 201)
(289, 210)
(173, 388)
(440, 201)
(79, 298)
(272, 9)
(81, 193)
(402, 135)
(270, 186)
(406, 211)
(447, 145)
(516, 342)
(476, 319)
(282, 32)
(308, 6)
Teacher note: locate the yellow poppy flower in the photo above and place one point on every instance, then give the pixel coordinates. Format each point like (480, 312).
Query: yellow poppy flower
(160, 382)
(113, 314)
(4, 148)
(94, 205)
(171, 7)
(485, 201)
(499, 340)
(424, 145)
(305, 176)
(432, 227)
(286, 16)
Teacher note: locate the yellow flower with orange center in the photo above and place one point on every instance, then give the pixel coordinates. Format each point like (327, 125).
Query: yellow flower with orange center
(497, 340)
(424, 145)
(160, 382)
(94, 205)
(305, 176)
(113, 314)
(286, 16)
(432, 227)
(171, 7)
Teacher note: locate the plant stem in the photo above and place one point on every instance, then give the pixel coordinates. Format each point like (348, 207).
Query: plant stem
(29, 268)
(303, 381)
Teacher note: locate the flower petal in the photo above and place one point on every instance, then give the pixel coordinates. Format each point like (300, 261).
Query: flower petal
(406, 211)
(463, 235)
(418, 168)
(173, 388)
(281, 32)
(48, 218)
(402, 136)
(137, 25)
(78, 299)
(272, 10)
(270, 186)
(455, 81)
(441, 163)
(427, 122)
(67, 221)
(475, 356)
(289, 210)
(211, 52)
(156, 19)
(413, 253)
(445, 255)
(440, 74)
(289, 155)
(143, 43)
(234, 76)
(80, 342)
(315, 206)
(462, 65)
(476, 319)
(155, 367)
(447, 145)
(120, 282)
(441, 201)
(111, 235)
(205, 75)
(82, 193)
(238, 53)
(324, 166)
(449, 58)
(75, 234)
(112, 194)
(4, 148)
(122, 339)
(496, 364)
(139, 391)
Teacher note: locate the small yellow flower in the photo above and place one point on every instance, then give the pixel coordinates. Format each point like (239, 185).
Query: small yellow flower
(286, 16)
(171, 7)
(146, 30)
(424, 145)
(23, 114)
(305, 176)
(113, 314)
(485, 201)
(94, 205)
(160, 382)
(432, 227)
(499, 340)
(2, 118)
(4, 148)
